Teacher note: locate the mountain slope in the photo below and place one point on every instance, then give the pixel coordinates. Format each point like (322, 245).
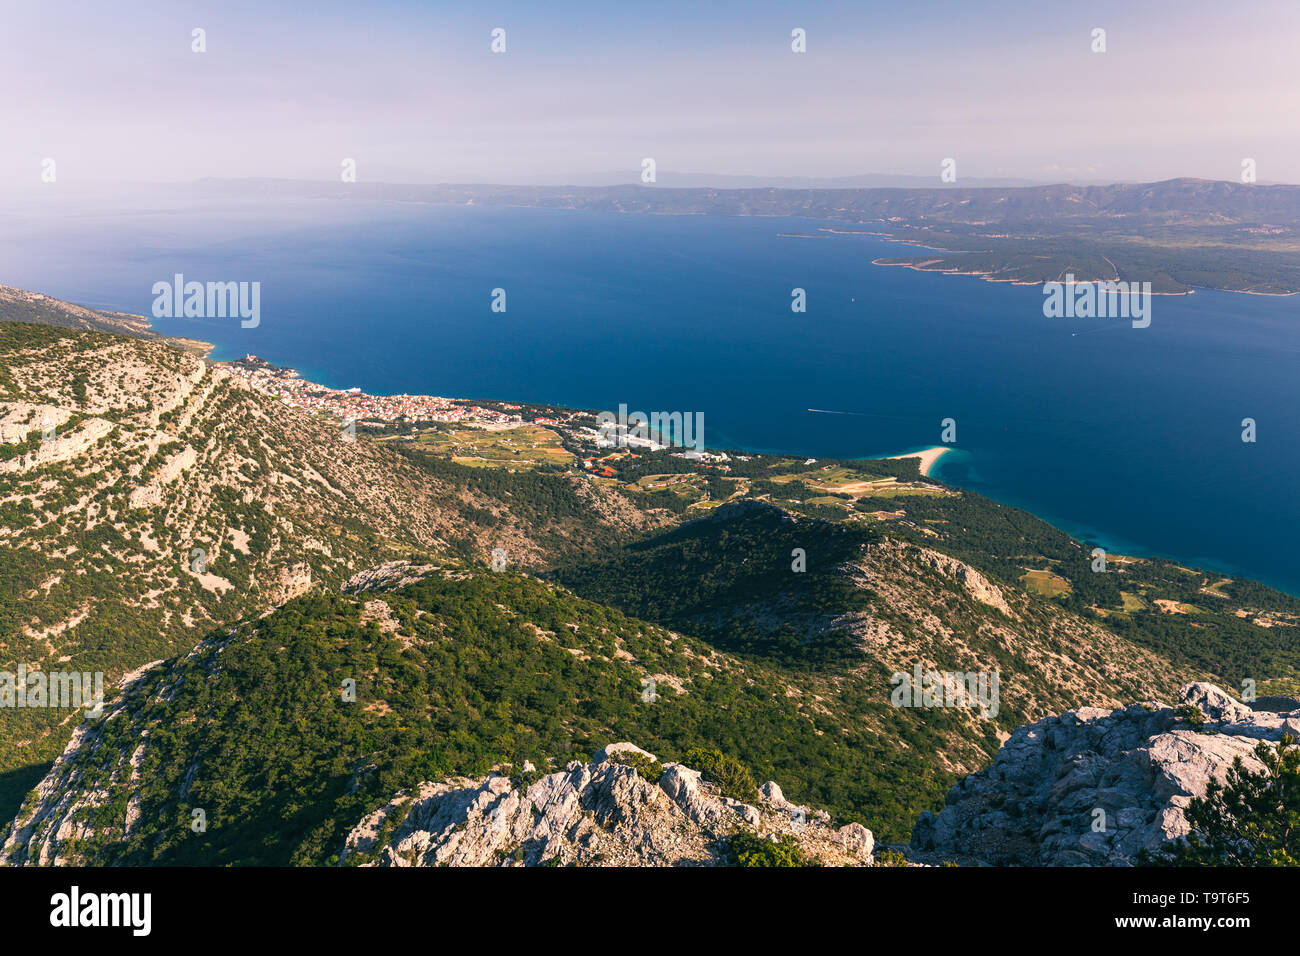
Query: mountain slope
(19, 305)
(146, 495)
(455, 673)
(870, 606)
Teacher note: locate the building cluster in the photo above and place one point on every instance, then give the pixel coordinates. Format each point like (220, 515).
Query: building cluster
(355, 405)
(717, 457)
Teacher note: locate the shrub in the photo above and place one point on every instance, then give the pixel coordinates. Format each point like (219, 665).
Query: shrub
(649, 768)
(748, 849)
(890, 858)
(731, 776)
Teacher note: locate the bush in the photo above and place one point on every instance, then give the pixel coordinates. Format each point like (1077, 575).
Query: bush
(649, 769)
(890, 858)
(732, 777)
(748, 849)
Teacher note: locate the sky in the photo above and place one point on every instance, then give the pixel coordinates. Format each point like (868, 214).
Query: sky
(113, 92)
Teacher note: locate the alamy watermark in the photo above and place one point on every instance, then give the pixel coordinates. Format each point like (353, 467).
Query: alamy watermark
(56, 689)
(75, 909)
(671, 429)
(215, 300)
(946, 689)
(1111, 299)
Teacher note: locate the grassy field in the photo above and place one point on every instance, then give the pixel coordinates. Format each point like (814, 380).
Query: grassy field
(1217, 588)
(1045, 583)
(523, 447)
(679, 483)
(691, 487)
(1132, 602)
(842, 480)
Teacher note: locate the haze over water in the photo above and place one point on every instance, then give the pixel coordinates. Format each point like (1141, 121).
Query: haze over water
(1129, 438)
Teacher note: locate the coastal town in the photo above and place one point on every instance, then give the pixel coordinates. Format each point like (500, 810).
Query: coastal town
(354, 405)
(609, 442)
(554, 435)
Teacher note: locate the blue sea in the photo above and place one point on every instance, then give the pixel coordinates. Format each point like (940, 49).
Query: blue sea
(1127, 438)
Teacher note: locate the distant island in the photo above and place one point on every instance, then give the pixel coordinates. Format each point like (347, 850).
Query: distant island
(1177, 234)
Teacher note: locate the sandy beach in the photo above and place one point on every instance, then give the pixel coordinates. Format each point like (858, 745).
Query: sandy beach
(929, 457)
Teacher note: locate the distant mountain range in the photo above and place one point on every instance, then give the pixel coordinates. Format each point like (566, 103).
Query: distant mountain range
(1191, 197)
(676, 180)
(1175, 234)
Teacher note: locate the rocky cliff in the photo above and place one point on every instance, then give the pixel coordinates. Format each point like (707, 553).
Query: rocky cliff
(1096, 787)
(621, 809)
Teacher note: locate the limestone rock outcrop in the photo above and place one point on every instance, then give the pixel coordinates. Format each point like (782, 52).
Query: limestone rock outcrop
(605, 813)
(1096, 787)
(980, 588)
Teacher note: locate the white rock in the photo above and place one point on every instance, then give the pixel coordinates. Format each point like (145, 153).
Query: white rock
(614, 751)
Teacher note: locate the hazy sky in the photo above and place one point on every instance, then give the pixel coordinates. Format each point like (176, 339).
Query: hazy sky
(1009, 88)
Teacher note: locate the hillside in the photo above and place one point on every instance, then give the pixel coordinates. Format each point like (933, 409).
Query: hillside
(168, 498)
(19, 305)
(455, 673)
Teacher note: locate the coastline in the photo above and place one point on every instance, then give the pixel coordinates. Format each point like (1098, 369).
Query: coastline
(987, 275)
(926, 467)
(469, 412)
(929, 457)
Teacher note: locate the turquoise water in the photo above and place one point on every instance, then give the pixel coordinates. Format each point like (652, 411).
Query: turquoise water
(1129, 438)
